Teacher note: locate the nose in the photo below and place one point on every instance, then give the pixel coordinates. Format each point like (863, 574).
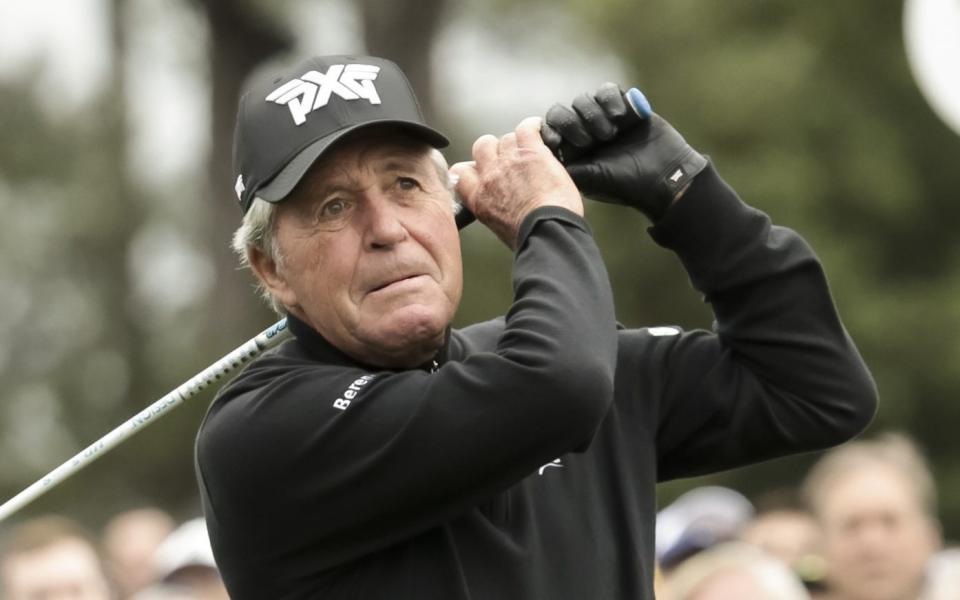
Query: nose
(381, 221)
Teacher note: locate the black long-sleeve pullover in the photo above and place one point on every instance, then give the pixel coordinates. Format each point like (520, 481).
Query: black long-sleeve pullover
(523, 464)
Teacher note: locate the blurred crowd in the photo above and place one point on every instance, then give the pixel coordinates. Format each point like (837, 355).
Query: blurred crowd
(141, 554)
(861, 525)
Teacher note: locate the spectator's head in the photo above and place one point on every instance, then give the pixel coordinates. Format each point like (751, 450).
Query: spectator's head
(876, 502)
(734, 570)
(785, 529)
(697, 520)
(51, 558)
(129, 542)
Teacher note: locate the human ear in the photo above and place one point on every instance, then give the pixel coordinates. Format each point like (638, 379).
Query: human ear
(271, 276)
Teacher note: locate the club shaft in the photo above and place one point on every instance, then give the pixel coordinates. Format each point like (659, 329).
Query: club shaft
(212, 375)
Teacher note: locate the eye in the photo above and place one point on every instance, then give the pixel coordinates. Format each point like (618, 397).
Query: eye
(407, 183)
(333, 208)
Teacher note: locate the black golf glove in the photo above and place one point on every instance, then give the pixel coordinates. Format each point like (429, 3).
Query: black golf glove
(618, 150)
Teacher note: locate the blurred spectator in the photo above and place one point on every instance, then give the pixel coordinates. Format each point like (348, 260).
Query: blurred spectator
(51, 558)
(697, 520)
(130, 540)
(785, 529)
(185, 568)
(734, 571)
(876, 502)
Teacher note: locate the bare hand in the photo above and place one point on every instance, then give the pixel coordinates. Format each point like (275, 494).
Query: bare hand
(512, 176)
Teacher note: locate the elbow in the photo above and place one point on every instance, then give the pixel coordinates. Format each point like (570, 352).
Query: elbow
(854, 404)
(856, 392)
(863, 400)
(846, 395)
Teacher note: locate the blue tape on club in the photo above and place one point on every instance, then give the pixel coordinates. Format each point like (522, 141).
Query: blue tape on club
(639, 102)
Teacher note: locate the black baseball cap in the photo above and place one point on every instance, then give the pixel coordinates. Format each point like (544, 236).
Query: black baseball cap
(285, 123)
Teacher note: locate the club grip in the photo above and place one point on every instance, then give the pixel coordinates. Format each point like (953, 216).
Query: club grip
(462, 215)
(640, 105)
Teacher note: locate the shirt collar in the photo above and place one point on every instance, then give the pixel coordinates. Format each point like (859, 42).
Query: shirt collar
(322, 350)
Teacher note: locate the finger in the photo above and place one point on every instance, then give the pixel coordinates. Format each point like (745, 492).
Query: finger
(530, 133)
(468, 180)
(551, 137)
(569, 125)
(596, 121)
(508, 144)
(485, 150)
(610, 98)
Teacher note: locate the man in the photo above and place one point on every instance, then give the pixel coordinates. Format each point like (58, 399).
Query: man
(129, 541)
(51, 558)
(876, 502)
(381, 454)
(698, 520)
(784, 528)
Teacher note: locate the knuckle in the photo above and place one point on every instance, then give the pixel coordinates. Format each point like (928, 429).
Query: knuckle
(607, 90)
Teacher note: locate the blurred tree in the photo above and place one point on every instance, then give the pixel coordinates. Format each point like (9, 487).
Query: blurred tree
(78, 213)
(387, 29)
(243, 35)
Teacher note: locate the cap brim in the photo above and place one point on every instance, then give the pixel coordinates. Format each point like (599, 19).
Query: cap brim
(283, 183)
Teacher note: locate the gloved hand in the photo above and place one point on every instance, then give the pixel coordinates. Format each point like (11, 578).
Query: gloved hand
(618, 150)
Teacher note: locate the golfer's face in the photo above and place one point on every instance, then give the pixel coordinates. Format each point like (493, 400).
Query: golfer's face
(371, 253)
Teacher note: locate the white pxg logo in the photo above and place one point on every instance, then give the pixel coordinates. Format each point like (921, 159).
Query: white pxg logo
(313, 89)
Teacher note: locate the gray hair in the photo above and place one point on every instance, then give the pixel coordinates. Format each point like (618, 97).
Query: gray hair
(894, 450)
(256, 232)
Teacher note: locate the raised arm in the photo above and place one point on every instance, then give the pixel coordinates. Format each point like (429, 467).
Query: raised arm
(779, 374)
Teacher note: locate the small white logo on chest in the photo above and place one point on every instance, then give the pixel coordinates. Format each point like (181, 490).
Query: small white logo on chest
(554, 463)
(352, 392)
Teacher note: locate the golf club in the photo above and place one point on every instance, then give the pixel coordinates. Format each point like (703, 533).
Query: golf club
(213, 374)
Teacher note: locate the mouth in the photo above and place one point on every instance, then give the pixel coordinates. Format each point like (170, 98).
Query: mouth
(396, 282)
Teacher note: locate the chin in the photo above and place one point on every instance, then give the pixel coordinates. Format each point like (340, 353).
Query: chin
(424, 330)
(414, 336)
